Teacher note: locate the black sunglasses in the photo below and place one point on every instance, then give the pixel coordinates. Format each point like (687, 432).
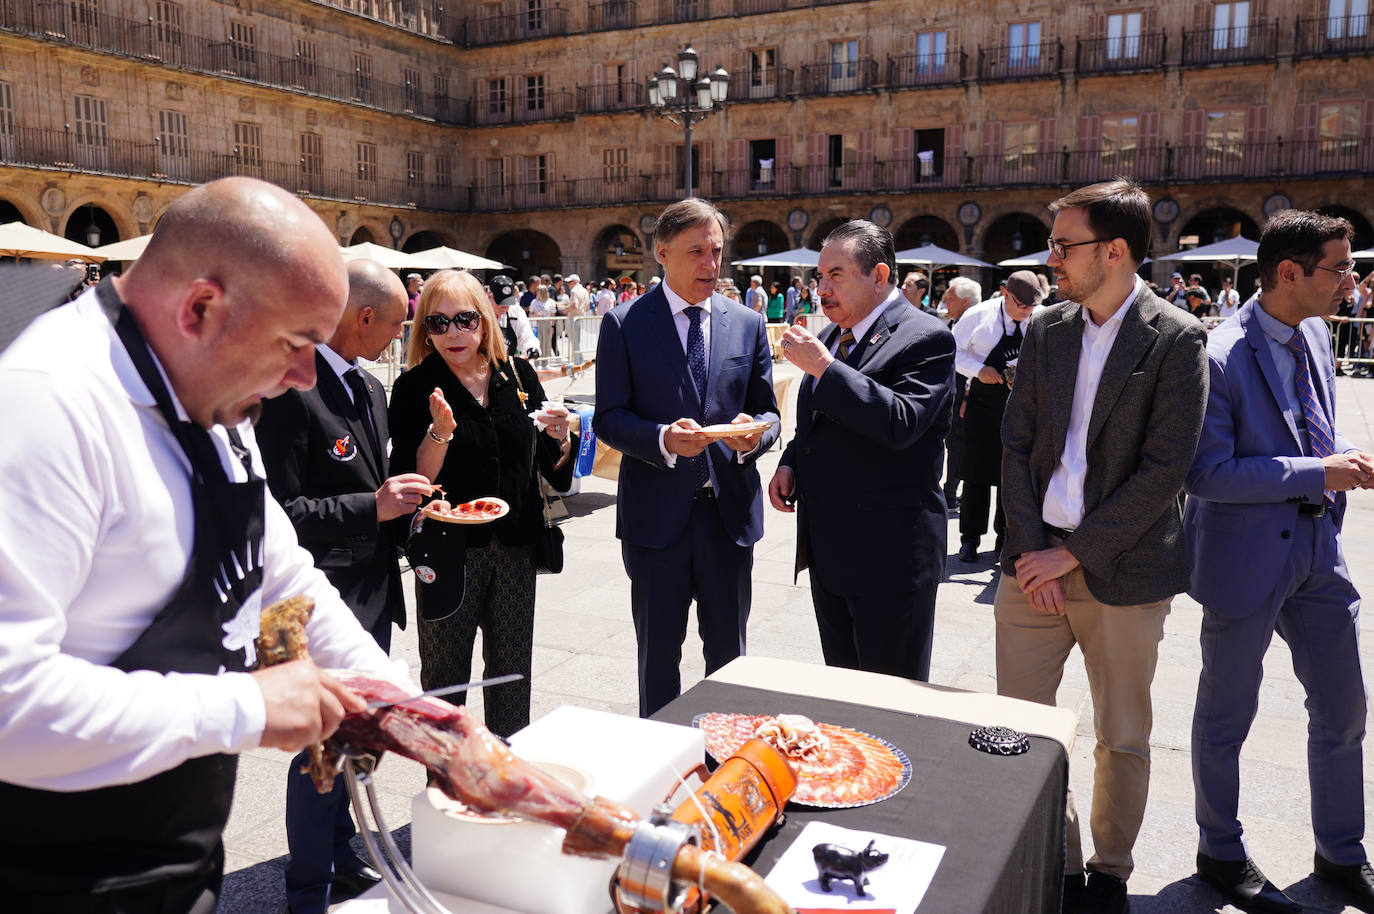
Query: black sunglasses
(437, 323)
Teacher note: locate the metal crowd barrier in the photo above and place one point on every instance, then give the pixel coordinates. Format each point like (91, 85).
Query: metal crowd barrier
(1352, 338)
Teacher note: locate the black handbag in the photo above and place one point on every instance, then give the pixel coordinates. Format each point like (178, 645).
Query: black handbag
(437, 552)
(547, 550)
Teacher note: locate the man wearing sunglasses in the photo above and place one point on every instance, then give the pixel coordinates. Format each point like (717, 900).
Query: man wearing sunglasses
(1098, 435)
(1272, 468)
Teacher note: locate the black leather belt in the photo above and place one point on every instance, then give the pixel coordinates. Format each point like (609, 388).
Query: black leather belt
(705, 493)
(1060, 532)
(1310, 510)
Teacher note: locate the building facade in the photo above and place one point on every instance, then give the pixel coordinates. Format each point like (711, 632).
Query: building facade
(521, 129)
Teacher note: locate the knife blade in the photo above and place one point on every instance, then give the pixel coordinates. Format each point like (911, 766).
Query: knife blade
(449, 690)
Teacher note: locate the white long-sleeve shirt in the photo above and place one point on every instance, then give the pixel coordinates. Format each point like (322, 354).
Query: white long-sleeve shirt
(978, 331)
(95, 536)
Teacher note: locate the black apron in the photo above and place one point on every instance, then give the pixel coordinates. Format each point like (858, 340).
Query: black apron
(154, 846)
(982, 457)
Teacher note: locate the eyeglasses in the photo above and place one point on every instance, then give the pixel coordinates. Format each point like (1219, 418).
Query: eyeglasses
(1057, 248)
(1340, 274)
(437, 323)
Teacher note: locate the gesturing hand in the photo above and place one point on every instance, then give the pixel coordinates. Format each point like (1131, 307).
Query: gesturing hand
(801, 348)
(441, 414)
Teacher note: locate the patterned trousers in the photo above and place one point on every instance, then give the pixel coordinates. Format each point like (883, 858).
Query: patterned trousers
(500, 601)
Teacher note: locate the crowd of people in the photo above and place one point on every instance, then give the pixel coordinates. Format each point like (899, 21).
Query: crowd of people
(206, 420)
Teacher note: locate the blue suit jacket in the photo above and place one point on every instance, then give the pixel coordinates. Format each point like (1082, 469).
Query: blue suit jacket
(642, 382)
(1249, 475)
(868, 456)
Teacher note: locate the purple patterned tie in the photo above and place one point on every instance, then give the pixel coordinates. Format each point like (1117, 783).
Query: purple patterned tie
(696, 364)
(1319, 436)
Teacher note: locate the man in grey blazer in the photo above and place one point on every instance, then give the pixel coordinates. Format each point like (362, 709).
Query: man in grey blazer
(1097, 437)
(1273, 468)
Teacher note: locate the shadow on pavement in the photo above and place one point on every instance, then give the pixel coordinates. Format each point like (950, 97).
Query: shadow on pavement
(261, 888)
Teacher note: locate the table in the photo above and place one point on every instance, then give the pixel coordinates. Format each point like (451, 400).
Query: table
(1001, 819)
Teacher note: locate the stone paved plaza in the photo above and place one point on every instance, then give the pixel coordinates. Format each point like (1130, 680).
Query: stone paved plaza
(585, 655)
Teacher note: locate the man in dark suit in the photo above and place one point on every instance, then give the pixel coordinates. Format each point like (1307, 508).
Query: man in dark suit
(690, 507)
(325, 454)
(872, 415)
(1105, 412)
(1263, 524)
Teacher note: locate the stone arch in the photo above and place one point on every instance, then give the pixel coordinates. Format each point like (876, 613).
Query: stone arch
(113, 224)
(1364, 231)
(1013, 234)
(529, 251)
(423, 240)
(1210, 225)
(926, 229)
(823, 229)
(360, 234)
(616, 251)
(21, 210)
(746, 242)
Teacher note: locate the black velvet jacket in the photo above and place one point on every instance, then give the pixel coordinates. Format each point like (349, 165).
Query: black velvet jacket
(494, 450)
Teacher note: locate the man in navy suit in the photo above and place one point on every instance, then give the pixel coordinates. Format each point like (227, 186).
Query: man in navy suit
(690, 508)
(1263, 527)
(872, 415)
(325, 454)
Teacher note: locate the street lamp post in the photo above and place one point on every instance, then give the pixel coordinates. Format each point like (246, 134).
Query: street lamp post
(699, 99)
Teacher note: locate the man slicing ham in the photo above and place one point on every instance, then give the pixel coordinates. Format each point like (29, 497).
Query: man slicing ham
(137, 548)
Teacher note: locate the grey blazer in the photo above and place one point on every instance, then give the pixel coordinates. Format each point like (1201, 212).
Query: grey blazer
(1143, 430)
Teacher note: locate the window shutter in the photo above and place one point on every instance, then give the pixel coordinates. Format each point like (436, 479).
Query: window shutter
(740, 167)
(1367, 137)
(1304, 154)
(1256, 155)
(663, 172)
(706, 180)
(1047, 164)
(815, 162)
(1089, 148)
(1194, 138)
(954, 154)
(992, 152)
(598, 98)
(782, 169)
(865, 177)
(551, 194)
(903, 152)
(1147, 154)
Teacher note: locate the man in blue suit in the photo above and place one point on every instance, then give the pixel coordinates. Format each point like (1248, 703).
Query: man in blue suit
(872, 415)
(1271, 471)
(690, 508)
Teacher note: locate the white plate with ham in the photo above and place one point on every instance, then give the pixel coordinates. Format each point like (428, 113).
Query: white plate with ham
(477, 511)
(836, 767)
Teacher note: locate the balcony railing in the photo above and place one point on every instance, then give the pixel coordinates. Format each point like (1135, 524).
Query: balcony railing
(761, 182)
(753, 7)
(608, 97)
(685, 10)
(523, 109)
(61, 149)
(1336, 36)
(765, 84)
(612, 14)
(426, 17)
(144, 40)
(830, 78)
(1120, 54)
(916, 70)
(533, 22)
(1256, 43)
(1020, 61)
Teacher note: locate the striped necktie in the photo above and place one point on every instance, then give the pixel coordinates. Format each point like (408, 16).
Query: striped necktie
(1320, 439)
(846, 345)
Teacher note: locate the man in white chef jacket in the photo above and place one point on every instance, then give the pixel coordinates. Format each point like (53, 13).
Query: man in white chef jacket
(138, 547)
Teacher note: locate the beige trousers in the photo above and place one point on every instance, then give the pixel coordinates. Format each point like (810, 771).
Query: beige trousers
(1120, 645)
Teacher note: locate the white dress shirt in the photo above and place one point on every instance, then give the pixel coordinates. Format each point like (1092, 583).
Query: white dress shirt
(978, 331)
(95, 537)
(682, 323)
(1064, 498)
(525, 340)
(340, 366)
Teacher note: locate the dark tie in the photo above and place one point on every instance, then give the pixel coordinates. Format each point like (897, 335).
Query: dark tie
(696, 364)
(846, 345)
(1016, 335)
(1319, 436)
(362, 399)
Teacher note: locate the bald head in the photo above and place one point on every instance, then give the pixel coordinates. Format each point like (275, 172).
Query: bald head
(238, 281)
(376, 309)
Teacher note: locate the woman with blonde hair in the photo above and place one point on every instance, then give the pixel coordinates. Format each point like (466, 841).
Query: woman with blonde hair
(460, 416)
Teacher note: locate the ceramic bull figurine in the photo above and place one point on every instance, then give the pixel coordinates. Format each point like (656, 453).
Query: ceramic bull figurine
(836, 862)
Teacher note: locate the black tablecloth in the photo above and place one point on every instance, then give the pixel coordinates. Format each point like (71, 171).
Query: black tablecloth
(1001, 819)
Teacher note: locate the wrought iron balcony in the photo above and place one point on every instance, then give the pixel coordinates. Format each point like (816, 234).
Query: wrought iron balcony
(609, 97)
(1255, 43)
(524, 108)
(919, 70)
(1335, 36)
(763, 85)
(829, 78)
(174, 162)
(423, 17)
(151, 42)
(1121, 54)
(685, 10)
(1020, 61)
(535, 21)
(612, 14)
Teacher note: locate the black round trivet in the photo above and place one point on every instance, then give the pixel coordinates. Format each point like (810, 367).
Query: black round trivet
(999, 741)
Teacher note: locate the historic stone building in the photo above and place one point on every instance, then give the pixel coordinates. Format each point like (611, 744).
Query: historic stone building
(521, 129)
